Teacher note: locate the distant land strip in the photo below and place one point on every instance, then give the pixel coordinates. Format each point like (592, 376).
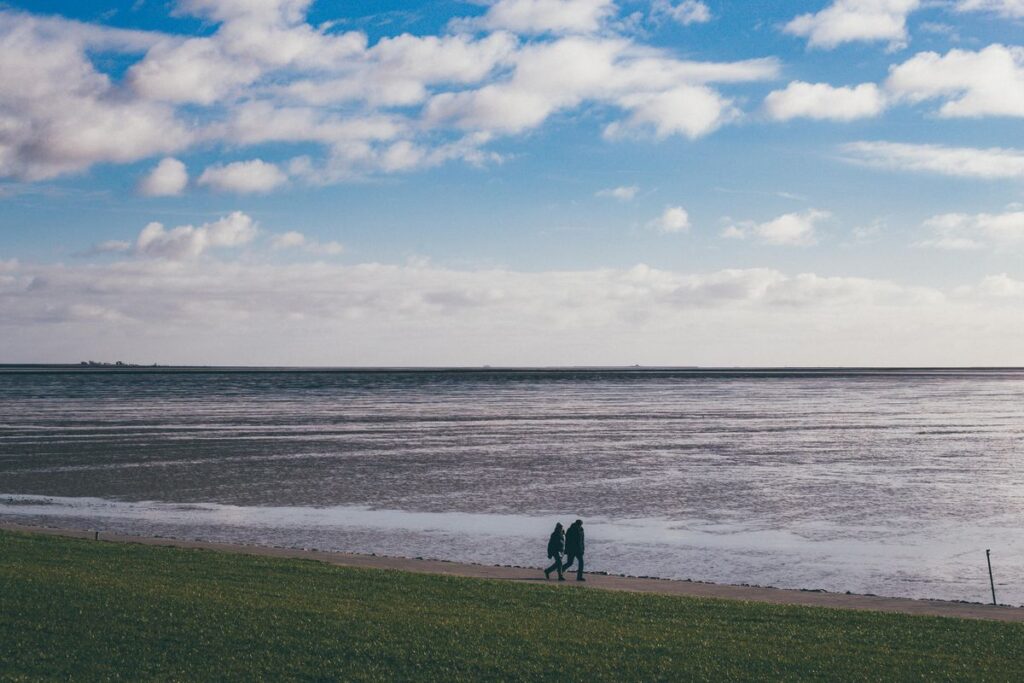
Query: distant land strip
(807, 598)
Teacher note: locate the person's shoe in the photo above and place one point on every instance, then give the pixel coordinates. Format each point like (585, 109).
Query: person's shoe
(561, 578)
(547, 574)
(580, 578)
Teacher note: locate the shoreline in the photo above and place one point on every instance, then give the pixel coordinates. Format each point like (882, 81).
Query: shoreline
(686, 588)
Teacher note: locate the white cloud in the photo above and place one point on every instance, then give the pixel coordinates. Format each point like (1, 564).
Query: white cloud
(398, 71)
(244, 177)
(327, 313)
(989, 82)
(331, 248)
(685, 12)
(194, 70)
(111, 247)
(254, 123)
(866, 234)
(168, 178)
(1000, 286)
(688, 110)
(666, 95)
(1006, 8)
(296, 240)
(825, 102)
(252, 11)
(288, 240)
(673, 219)
(846, 21)
(623, 193)
(189, 242)
(251, 41)
(548, 16)
(960, 231)
(261, 73)
(965, 162)
(59, 114)
(797, 229)
(735, 232)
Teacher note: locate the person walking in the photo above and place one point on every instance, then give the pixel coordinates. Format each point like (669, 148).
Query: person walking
(574, 548)
(556, 544)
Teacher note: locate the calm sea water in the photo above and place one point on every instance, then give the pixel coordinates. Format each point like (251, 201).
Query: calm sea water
(886, 482)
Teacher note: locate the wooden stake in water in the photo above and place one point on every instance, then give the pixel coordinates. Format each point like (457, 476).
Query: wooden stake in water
(991, 583)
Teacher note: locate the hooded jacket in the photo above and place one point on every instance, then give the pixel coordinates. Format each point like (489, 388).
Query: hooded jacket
(574, 540)
(556, 544)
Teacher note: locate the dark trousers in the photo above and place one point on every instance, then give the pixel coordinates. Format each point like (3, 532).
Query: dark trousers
(556, 566)
(569, 557)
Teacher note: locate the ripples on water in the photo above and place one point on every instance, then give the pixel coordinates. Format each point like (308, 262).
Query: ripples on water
(891, 482)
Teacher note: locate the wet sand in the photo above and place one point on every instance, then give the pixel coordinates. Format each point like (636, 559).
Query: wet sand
(809, 598)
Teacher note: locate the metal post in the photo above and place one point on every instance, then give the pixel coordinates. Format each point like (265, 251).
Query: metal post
(96, 536)
(991, 583)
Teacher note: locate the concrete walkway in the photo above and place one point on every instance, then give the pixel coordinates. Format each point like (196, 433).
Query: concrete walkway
(939, 608)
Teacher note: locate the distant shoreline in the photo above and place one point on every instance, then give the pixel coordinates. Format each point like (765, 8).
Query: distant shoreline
(805, 597)
(497, 369)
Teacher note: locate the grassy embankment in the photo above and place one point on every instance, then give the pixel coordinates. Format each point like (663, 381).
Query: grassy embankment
(81, 609)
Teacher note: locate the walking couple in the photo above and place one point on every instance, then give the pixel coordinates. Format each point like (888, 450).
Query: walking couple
(571, 543)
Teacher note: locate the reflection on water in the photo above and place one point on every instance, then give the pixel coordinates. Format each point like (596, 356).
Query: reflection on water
(884, 482)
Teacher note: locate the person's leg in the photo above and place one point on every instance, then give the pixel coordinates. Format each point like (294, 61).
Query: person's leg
(558, 563)
(547, 572)
(569, 557)
(579, 568)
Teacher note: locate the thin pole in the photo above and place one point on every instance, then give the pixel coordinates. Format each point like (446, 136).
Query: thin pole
(991, 583)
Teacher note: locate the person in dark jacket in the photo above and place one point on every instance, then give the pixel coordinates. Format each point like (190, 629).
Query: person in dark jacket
(574, 548)
(556, 544)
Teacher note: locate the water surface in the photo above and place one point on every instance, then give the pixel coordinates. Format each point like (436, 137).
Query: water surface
(887, 482)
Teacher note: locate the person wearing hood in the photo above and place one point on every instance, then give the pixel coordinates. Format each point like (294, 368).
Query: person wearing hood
(556, 544)
(574, 548)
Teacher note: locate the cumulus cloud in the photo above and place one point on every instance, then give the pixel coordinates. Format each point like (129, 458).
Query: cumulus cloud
(262, 73)
(673, 219)
(1007, 8)
(59, 114)
(296, 240)
(667, 95)
(825, 102)
(846, 21)
(965, 162)
(1000, 286)
(399, 70)
(251, 41)
(189, 242)
(689, 110)
(190, 71)
(288, 240)
(989, 82)
(685, 12)
(797, 229)
(623, 193)
(960, 231)
(244, 177)
(168, 178)
(548, 16)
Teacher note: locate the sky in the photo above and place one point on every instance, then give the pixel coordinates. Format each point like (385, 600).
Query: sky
(513, 182)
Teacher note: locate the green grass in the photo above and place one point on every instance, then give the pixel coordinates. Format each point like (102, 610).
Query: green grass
(93, 610)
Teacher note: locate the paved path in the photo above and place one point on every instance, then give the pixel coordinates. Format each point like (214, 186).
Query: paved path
(594, 581)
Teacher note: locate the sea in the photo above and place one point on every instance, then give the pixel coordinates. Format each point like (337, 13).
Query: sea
(883, 481)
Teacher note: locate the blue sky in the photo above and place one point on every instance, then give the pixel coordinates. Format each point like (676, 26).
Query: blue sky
(512, 182)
